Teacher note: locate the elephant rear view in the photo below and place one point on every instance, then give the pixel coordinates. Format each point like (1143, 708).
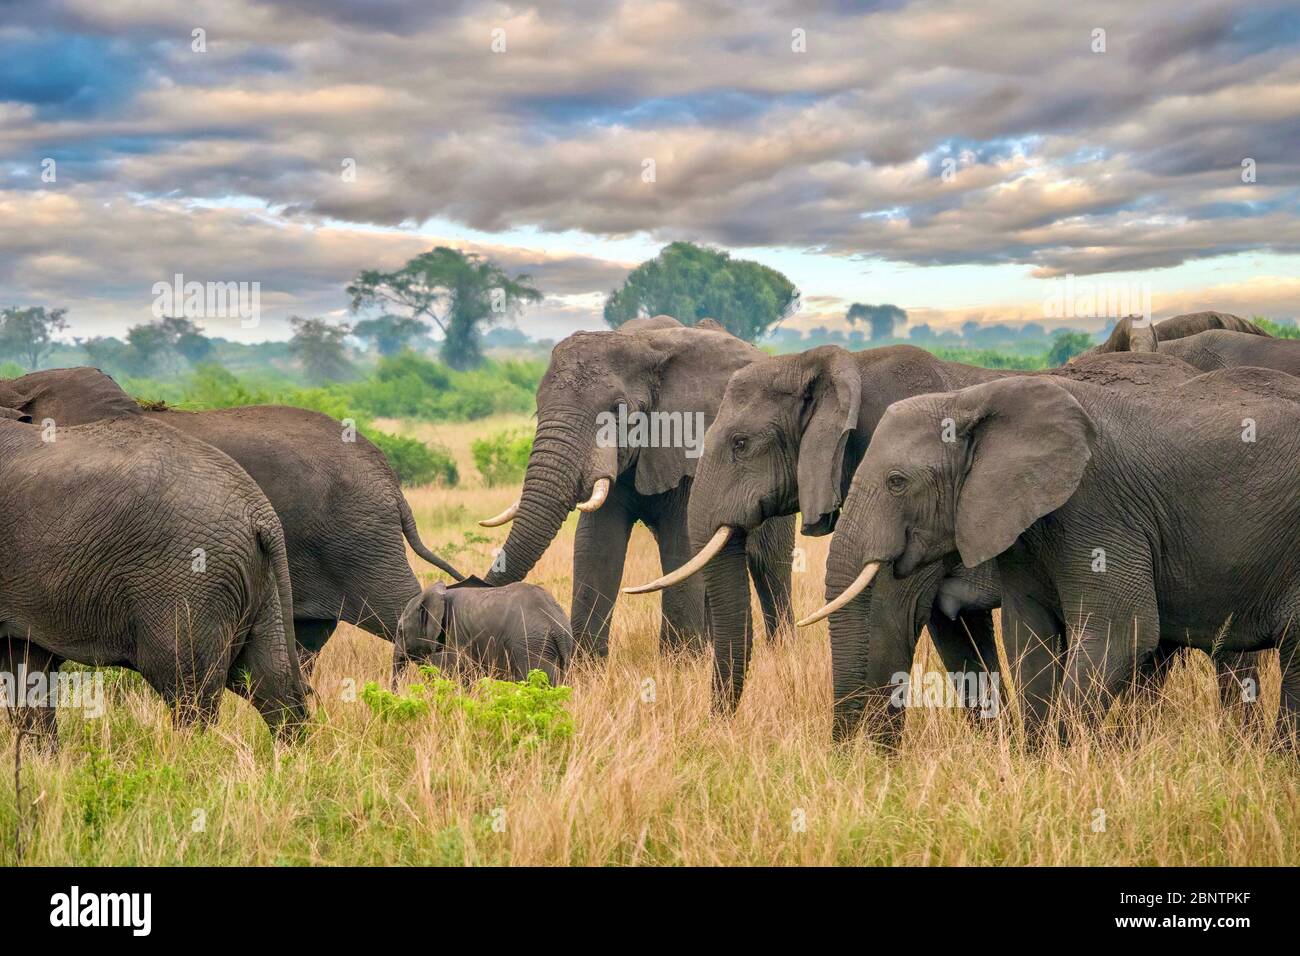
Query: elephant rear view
(124, 543)
(346, 523)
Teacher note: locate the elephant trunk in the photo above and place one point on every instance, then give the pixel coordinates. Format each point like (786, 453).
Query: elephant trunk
(551, 488)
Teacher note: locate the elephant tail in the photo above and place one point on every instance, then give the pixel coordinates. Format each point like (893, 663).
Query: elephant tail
(412, 535)
(270, 539)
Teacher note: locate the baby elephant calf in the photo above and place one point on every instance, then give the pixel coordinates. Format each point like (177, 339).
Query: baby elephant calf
(504, 631)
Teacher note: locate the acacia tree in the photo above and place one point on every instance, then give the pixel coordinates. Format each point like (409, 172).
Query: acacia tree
(880, 318)
(28, 334)
(319, 345)
(690, 282)
(459, 292)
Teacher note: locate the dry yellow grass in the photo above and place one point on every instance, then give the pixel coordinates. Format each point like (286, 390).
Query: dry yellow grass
(650, 781)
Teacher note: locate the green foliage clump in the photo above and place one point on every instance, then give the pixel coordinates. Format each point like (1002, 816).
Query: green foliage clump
(991, 358)
(502, 458)
(1278, 330)
(105, 791)
(416, 463)
(1066, 345)
(11, 369)
(512, 713)
(408, 385)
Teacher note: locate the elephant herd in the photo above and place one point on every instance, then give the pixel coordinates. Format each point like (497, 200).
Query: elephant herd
(1139, 500)
(206, 550)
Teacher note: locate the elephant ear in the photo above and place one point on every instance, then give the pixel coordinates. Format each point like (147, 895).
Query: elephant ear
(1027, 444)
(1120, 337)
(689, 377)
(14, 414)
(421, 624)
(832, 400)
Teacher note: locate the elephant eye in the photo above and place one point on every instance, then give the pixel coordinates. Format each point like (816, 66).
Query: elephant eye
(896, 483)
(738, 444)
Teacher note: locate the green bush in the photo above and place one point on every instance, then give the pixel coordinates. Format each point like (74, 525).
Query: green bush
(1066, 345)
(11, 369)
(416, 463)
(512, 713)
(1278, 330)
(502, 458)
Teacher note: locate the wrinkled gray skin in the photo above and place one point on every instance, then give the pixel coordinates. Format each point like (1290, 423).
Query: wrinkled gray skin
(1132, 335)
(1209, 351)
(649, 365)
(346, 522)
(100, 531)
(805, 421)
(505, 632)
(1197, 526)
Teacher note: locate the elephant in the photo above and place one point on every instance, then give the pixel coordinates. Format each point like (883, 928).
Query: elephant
(346, 523)
(788, 437)
(505, 632)
(589, 451)
(125, 543)
(1117, 520)
(1132, 335)
(1209, 351)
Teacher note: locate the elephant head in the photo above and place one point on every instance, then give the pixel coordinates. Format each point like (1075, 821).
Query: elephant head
(69, 396)
(1131, 334)
(594, 381)
(420, 629)
(965, 471)
(777, 446)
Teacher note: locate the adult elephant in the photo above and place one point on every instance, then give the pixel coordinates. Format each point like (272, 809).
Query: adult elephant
(1132, 335)
(788, 436)
(1048, 477)
(346, 522)
(589, 453)
(1209, 351)
(125, 544)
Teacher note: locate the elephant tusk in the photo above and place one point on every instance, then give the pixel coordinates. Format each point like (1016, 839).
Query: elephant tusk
(690, 567)
(599, 491)
(853, 590)
(502, 518)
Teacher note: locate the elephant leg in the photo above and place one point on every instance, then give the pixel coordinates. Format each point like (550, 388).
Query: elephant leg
(969, 650)
(1288, 714)
(34, 713)
(1109, 638)
(683, 623)
(1152, 674)
(1238, 678)
(1032, 635)
(311, 634)
(599, 549)
(770, 555)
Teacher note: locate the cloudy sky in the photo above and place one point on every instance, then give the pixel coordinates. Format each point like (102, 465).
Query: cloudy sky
(956, 159)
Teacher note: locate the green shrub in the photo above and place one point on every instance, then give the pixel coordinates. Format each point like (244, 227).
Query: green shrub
(502, 458)
(11, 369)
(416, 463)
(1278, 330)
(512, 713)
(1066, 345)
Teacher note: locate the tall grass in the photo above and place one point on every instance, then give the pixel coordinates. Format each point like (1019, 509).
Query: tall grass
(649, 775)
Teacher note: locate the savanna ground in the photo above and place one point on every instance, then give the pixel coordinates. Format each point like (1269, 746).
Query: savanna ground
(645, 778)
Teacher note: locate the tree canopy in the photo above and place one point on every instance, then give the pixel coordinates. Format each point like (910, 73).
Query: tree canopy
(391, 333)
(460, 292)
(319, 345)
(882, 319)
(28, 334)
(690, 283)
